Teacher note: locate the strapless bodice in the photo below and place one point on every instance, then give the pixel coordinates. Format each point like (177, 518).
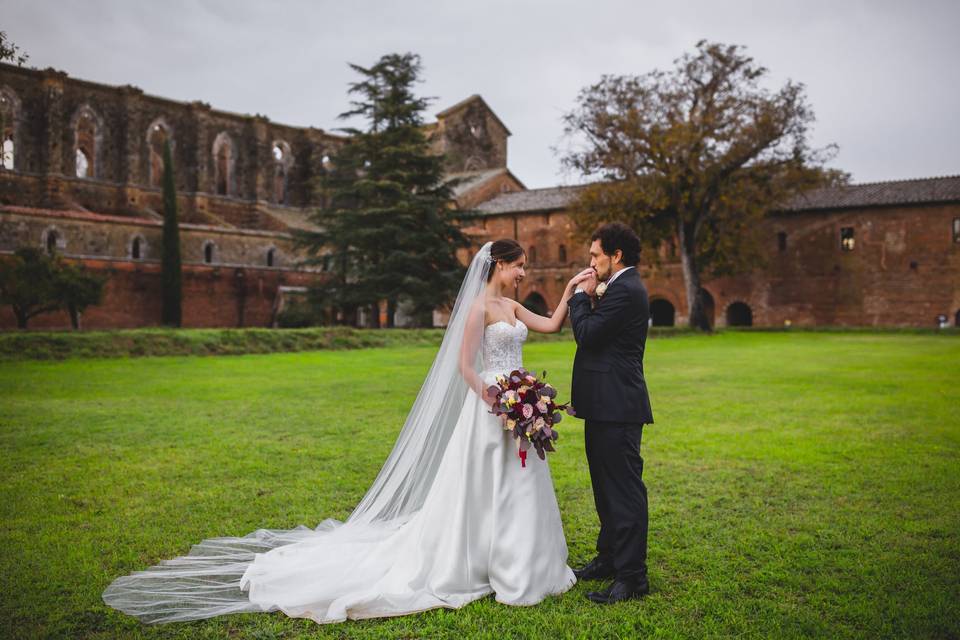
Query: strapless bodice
(503, 346)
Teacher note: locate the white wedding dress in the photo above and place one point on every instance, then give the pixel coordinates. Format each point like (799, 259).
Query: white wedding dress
(487, 525)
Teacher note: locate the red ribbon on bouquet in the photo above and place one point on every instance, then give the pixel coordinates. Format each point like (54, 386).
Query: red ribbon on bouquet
(523, 458)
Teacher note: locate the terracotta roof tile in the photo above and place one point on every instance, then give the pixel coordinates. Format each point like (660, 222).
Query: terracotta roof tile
(896, 192)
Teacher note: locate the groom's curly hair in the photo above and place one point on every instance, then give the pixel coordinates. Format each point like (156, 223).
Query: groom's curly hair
(617, 235)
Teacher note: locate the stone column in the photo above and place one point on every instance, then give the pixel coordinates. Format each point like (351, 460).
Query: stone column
(51, 157)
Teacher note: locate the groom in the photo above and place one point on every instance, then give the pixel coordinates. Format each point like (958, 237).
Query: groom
(609, 322)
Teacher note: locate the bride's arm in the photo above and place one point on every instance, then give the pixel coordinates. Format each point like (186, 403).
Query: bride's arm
(552, 324)
(473, 332)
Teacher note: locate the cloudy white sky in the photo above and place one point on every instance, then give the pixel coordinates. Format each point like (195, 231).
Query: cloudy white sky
(881, 75)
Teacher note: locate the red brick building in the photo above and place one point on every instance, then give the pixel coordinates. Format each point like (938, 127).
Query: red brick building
(80, 176)
(883, 254)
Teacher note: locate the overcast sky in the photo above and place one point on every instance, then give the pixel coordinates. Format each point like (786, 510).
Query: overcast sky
(882, 76)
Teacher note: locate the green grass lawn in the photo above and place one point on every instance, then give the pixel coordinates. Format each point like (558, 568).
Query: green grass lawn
(801, 485)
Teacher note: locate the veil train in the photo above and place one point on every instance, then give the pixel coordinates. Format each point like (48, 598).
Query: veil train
(212, 579)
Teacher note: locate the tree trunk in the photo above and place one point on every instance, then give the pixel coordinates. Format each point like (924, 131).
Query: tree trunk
(691, 278)
(391, 314)
(74, 317)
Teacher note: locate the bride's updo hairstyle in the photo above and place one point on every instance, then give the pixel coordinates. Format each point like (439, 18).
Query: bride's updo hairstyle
(506, 250)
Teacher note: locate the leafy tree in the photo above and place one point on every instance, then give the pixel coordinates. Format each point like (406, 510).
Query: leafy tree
(9, 52)
(696, 157)
(388, 232)
(28, 282)
(33, 282)
(78, 289)
(171, 269)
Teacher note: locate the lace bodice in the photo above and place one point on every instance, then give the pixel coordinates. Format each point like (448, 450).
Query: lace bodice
(503, 346)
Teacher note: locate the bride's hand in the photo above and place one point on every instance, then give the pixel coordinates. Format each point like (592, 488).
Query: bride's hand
(586, 274)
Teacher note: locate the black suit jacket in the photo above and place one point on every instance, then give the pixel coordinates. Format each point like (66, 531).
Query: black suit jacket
(608, 382)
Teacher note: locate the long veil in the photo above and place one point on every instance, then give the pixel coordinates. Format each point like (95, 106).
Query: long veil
(211, 579)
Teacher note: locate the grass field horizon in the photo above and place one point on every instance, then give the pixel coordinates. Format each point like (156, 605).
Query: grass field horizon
(801, 484)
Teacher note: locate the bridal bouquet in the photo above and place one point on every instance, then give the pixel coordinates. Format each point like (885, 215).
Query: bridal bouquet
(527, 407)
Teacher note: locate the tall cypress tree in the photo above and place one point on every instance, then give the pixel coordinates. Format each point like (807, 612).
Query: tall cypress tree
(388, 231)
(171, 276)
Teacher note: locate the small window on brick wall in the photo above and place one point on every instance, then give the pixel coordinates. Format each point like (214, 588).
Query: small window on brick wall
(209, 252)
(956, 229)
(846, 239)
(782, 241)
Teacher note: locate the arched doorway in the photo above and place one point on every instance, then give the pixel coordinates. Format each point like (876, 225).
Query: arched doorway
(662, 313)
(956, 319)
(739, 314)
(535, 303)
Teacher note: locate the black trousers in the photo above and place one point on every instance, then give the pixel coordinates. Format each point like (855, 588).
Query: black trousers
(616, 473)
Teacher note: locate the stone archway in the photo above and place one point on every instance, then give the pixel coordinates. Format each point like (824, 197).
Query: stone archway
(535, 303)
(662, 313)
(739, 314)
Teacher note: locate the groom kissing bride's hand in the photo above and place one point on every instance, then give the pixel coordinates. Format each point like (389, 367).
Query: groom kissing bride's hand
(609, 313)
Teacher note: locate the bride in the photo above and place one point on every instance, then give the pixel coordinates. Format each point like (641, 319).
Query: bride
(451, 517)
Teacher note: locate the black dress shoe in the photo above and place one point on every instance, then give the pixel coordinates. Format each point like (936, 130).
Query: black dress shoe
(621, 590)
(596, 569)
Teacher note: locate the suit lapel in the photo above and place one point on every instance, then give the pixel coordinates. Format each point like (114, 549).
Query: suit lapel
(620, 277)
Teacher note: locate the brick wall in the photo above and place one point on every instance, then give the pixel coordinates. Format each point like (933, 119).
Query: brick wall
(904, 269)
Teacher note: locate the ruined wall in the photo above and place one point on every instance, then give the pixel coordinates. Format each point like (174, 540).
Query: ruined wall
(224, 163)
(471, 137)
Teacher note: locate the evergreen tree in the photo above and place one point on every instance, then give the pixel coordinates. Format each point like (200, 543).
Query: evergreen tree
(388, 232)
(171, 276)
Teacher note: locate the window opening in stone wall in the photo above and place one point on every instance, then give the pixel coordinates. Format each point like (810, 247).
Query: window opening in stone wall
(85, 144)
(782, 241)
(208, 252)
(83, 164)
(223, 165)
(956, 229)
(282, 161)
(562, 253)
(157, 137)
(846, 239)
(6, 156)
(7, 120)
(52, 237)
(271, 257)
(532, 254)
(135, 249)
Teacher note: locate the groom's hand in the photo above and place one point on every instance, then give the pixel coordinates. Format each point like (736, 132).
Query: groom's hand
(589, 283)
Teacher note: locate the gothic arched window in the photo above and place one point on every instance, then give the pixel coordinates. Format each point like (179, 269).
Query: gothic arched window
(157, 135)
(86, 142)
(224, 163)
